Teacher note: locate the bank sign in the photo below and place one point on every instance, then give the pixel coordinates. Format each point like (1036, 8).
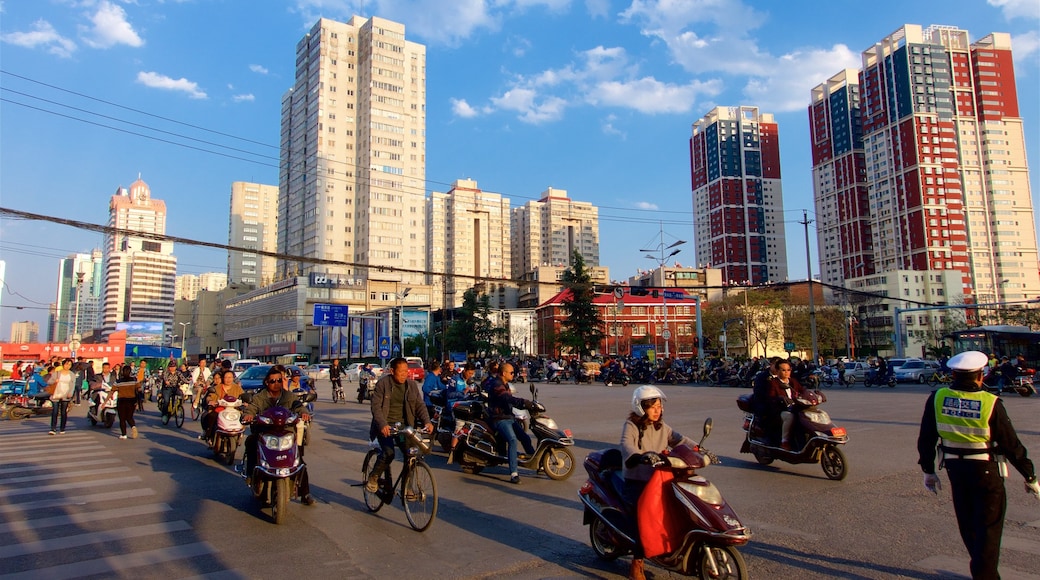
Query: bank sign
(317, 280)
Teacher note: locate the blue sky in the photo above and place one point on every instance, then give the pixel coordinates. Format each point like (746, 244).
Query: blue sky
(593, 96)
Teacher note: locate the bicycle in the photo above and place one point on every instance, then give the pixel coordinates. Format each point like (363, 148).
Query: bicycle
(337, 392)
(418, 492)
(198, 403)
(175, 409)
(939, 378)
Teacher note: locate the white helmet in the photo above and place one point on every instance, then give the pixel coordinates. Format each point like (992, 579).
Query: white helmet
(645, 393)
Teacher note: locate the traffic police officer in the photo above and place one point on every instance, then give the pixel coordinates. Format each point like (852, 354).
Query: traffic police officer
(974, 434)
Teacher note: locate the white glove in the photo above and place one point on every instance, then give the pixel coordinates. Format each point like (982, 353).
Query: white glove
(931, 483)
(1033, 488)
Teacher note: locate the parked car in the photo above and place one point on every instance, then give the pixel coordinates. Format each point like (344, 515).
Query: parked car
(351, 373)
(895, 363)
(916, 371)
(318, 371)
(252, 379)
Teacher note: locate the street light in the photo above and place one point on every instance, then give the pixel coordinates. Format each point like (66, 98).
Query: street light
(667, 334)
(400, 318)
(184, 328)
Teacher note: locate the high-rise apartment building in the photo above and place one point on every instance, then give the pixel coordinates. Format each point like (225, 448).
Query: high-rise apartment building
(467, 238)
(252, 224)
(140, 272)
(353, 152)
(548, 231)
(944, 163)
(737, 197)
(77, 308)
(188, 286)
(25, 331)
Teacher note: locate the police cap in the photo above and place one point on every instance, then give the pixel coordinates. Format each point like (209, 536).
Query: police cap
(968, 362)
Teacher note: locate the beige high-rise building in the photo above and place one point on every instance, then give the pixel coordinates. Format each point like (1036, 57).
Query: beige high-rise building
(188, 286)
(546, 232)
(467, 238)
(25, 332)
(253, 224)
(140, 272)
(353, 152)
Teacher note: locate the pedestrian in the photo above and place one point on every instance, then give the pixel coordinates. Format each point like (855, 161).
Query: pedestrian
(975, 439)
(126, 389)
(60, 382)
(142, 373)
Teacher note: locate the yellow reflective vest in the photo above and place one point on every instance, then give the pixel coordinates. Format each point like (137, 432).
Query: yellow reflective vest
(962, 418)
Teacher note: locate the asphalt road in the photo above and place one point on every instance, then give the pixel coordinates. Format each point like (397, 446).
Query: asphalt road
(87, 504)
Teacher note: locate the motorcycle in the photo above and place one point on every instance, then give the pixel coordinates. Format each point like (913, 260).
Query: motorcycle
(228, 435)
(555, 375)
(814, 438)
(105, 415)
(479, 447)
(614, 375)
(872, 378)
(584, 376)
(1021, 384)
(363, 392)
(279, 459)
(703, 529)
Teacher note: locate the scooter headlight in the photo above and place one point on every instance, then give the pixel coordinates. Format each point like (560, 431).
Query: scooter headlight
(817, 416)
(279, 443)
(548, 423)
(706, 491)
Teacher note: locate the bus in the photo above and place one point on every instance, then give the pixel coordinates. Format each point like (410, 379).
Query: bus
(300, 360)
(228, 354)
(1001, 340)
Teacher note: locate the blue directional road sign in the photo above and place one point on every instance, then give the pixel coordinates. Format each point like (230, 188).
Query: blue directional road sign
(674, 294)
(331, 314)
(384, 347)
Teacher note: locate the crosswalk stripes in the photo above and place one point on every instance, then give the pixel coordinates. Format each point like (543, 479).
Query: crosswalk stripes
(70, 508)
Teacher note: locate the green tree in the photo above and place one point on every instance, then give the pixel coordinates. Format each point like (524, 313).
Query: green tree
(582, 330)
(472, 331)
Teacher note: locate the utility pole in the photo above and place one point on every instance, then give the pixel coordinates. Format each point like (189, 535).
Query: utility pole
(812, 305)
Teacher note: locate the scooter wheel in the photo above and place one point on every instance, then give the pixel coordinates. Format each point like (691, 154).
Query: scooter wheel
(762, 457)
(728, 563)
(109, 421)
(603, 542)
(834, 463)
(92, 420)
(558, 463)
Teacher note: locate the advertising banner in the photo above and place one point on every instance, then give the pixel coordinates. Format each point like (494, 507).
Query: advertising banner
(143, 332)
(368, 337)
(414, 323)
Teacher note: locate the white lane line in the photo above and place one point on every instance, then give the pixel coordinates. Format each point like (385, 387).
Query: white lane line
(91, 462)
(49, 476)
(44, 439)
(114, 565)
(77, 500)
(81, 518)
(64, 486)
(117, 535)
(47, 458)
(39, 453)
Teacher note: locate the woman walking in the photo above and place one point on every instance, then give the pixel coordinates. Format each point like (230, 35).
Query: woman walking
(126, 389)
(61, 380)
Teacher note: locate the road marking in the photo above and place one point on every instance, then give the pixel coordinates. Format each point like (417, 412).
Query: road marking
(31, 467)
(38, 453)
(43, 439)
(74, 485)
(80, 518)
(113, 565)
(77, 500)
(959, 567)
(48, 476)
(100, 537)
(47, 458)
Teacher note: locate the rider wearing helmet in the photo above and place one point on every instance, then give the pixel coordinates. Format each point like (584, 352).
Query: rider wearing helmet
(644, 436)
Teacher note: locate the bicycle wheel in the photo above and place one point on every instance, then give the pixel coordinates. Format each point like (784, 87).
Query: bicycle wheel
(372, 500)
(178, 415)
(420, 497)
(196, 410)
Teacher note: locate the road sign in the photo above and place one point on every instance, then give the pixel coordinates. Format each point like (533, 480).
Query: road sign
(619, 292)
(384, 347)
(331, 314)
(667, 334)
(788, 346)
(674, 295)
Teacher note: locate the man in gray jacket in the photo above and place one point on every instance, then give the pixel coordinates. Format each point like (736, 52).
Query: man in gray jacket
(395, 399)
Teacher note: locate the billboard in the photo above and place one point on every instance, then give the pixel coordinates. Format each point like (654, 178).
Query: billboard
(368, 337)
(414, 323)
(143, 332)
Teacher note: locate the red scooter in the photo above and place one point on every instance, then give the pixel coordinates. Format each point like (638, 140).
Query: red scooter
(703, 531)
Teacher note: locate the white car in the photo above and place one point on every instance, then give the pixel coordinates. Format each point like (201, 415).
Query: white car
(242, 364)
(351, 373)
(318, 371)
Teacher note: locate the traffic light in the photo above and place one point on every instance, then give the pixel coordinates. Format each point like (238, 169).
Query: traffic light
(638, 291)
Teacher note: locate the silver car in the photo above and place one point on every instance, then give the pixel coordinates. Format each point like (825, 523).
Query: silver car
(916, 371)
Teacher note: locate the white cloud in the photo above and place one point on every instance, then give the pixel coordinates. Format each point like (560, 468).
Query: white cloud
(1025, 48)
(518, 45)
(598, 8)
(158, 81)
(258, 69)
(530, 106)
(1028, 9)
(243, 98)
(649, 95)
(793, 76)
(646, 205)
(463, 109)
(110, 27)
(42, 35)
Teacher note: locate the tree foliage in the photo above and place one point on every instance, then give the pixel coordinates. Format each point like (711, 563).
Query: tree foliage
(472, 331)
(582, 330)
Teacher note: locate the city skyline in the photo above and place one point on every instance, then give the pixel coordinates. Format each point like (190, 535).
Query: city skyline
(516, 109)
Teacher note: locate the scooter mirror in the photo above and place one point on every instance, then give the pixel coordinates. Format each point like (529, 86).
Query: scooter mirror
(707, 426)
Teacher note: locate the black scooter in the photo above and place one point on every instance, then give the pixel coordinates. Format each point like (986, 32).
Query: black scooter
(814, 438)
(478, 445)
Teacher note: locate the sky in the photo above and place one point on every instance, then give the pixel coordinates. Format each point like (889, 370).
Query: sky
(596, 97)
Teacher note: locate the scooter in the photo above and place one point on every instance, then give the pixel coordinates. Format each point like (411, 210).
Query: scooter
(814, 438)
(702, 531)
(228, 435)
(279, 460)
(363, 392)
(479, 447)
(105, 415)
(872, 378)
(1021, 384)
(614, 375)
